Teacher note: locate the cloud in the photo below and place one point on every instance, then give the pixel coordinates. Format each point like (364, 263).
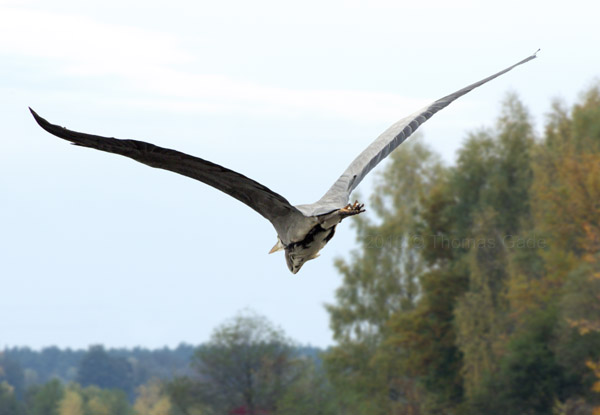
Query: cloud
(153, 63)
(85, 46)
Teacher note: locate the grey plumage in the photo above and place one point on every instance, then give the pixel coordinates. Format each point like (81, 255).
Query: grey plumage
(339, 194)
(302, 230)
(269, 204)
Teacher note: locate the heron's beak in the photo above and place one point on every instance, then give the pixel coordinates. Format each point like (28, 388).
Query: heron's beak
(278, 246)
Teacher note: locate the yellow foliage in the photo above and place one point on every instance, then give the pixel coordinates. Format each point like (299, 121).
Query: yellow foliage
(97, 407)
(566, 193)
(151, 400)
(595, 367)
(7, 387)
(71, 403)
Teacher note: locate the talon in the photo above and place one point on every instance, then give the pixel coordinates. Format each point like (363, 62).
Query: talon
(352, 209)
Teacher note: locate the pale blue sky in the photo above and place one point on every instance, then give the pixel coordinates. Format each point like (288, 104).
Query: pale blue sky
(96, 248)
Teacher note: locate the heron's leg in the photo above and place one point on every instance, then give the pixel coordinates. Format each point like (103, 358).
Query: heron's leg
(331, 219)
(351, 209)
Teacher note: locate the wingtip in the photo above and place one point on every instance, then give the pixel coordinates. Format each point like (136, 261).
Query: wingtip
(35, 115)
(41, 121)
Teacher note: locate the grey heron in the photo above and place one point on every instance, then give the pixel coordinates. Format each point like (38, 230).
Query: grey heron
(302, 230)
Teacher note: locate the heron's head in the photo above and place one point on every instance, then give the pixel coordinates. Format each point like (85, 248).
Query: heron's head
(293, 256)
(295, 260)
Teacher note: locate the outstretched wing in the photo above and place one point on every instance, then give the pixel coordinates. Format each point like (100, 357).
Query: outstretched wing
(337, 196)
(269, 204)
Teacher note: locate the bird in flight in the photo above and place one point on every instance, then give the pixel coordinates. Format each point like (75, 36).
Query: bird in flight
(302, 230)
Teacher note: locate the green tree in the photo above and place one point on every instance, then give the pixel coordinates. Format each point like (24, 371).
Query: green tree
(184, 397)
(12, 373)
(420, 325)
(565, 192)
(248, 363)
(310, 393)
(568, 211)
(380, 281)
(543, 359)
(99, 369)
(490, 185)
(381, 278)
(529, 379)
(578, 330)
(46, 399)
(9, 405)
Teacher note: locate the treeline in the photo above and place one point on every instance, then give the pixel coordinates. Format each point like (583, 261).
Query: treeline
(248, 367)
(23, 367)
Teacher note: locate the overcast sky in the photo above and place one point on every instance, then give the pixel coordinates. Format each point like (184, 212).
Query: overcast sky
(96, 248)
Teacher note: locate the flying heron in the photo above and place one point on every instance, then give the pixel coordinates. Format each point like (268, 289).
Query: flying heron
(302, 230)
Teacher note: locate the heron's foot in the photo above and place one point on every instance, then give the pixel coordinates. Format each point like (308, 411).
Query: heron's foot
(352, 209)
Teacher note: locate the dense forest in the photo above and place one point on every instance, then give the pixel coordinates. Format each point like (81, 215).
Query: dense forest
(114, 378)
(24, 367)
(474, 289)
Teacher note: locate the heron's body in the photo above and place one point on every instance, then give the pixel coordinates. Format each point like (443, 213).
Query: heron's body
(297, 253)
(321, 229)
(303, 230)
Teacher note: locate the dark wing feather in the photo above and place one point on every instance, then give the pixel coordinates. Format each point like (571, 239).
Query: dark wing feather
(337, 196)
(269, 204)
